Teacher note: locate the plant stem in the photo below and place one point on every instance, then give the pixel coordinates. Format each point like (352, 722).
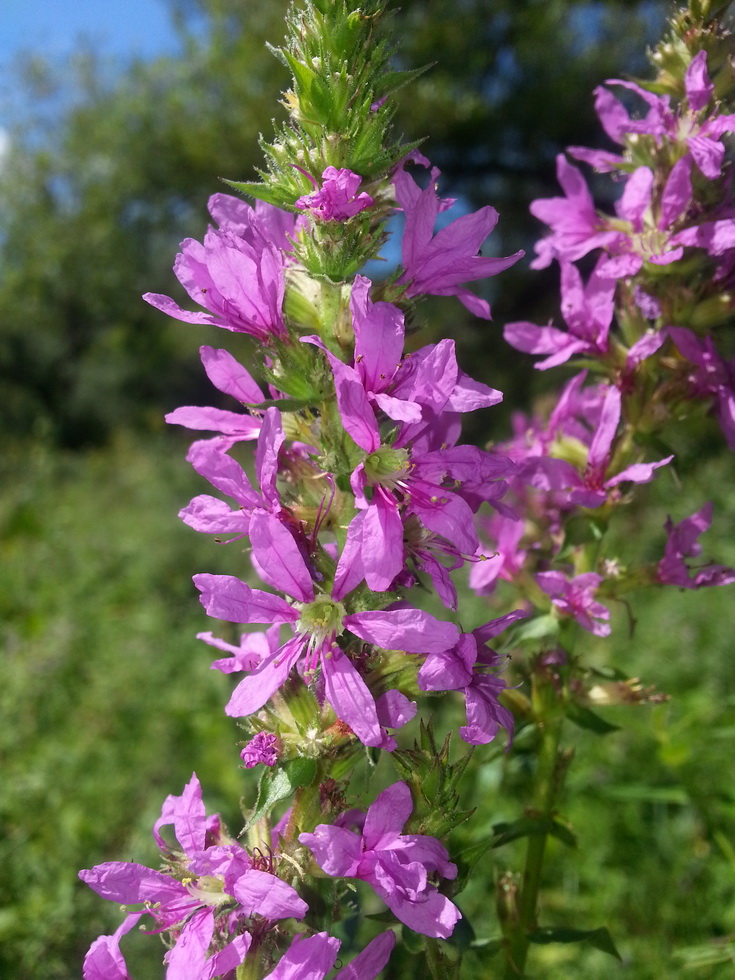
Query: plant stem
(440, 966)
(546, 786)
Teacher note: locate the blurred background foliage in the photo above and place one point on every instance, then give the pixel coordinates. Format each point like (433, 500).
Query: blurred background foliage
(107, 699)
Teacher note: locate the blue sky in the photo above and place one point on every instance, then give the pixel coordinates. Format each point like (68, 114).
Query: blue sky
(52, 27)
(118, 29)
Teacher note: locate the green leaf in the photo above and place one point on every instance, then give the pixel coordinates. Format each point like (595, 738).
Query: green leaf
(676, 795)
(599, 938)
(280, 784)
(563, 832)
(537, 628)
(303, 75)
(585, 718)
(489, 947)
(713, 953)
(504, 833)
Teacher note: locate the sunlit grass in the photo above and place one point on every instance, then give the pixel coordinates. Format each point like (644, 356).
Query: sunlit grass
(108, 705)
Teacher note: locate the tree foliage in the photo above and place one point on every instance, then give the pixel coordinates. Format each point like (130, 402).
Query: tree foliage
(110, 170)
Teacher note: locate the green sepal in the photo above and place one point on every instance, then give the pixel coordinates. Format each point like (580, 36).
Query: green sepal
(260, 191)
(599, 938)
(412, 941)
(280, 783)
(584, 718)
(433, 782)
(285, 404)
(395, 80)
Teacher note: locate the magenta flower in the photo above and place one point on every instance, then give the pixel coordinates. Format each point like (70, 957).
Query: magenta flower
(646, 239)
(230, 377)
(214, 889)
(312, 957)
(700, 132)
(212, 515)
(712, 375)
(238, 275)
(336, 200)
(575, 597)
(504, 559)
(264, 749)
(396, 866)
(590, 488)
(716, 237)
(471, 667)
(252, 649)
(683, 543)
(588, 312)
(258, 226)
(318, 620)
(104, 961)
(406, 478)
(576, 227)
(439, 264)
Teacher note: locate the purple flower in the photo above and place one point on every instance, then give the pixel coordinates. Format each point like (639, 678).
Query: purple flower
(258, 226)
(471, 668)
(104, 961)
(590, 488)
(575, 224)
(575, 597)
(698, 131)
(439, 488)
(212, 515)
(214, 889)
(253, 648)
(238, 275)
(228, 376)
(318, 620)
(505, 560)
(646, 239)
(712, 375)
(716, 237)
(263, 749)
(588, 313)
(439, 264)
(396, 866)
(336, 200)
(683, 543)
(312, 957)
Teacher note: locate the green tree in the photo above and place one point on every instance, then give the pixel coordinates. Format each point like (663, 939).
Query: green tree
(112, 170)
(94, 193)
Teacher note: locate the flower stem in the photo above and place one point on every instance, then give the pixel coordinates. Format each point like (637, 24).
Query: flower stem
(547, 782)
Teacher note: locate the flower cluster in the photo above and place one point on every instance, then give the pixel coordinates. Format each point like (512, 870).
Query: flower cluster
(641, 322)
(361, 492)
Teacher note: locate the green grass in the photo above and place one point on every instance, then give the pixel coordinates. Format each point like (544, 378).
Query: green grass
(108, 704)
(106, 697)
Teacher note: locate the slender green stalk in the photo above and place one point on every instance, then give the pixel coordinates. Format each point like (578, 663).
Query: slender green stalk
(547, 783)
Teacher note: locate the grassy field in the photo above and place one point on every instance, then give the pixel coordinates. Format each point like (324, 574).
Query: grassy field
(108, 704)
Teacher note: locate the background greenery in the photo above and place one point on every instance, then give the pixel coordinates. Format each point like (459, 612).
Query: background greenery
(107, 700)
